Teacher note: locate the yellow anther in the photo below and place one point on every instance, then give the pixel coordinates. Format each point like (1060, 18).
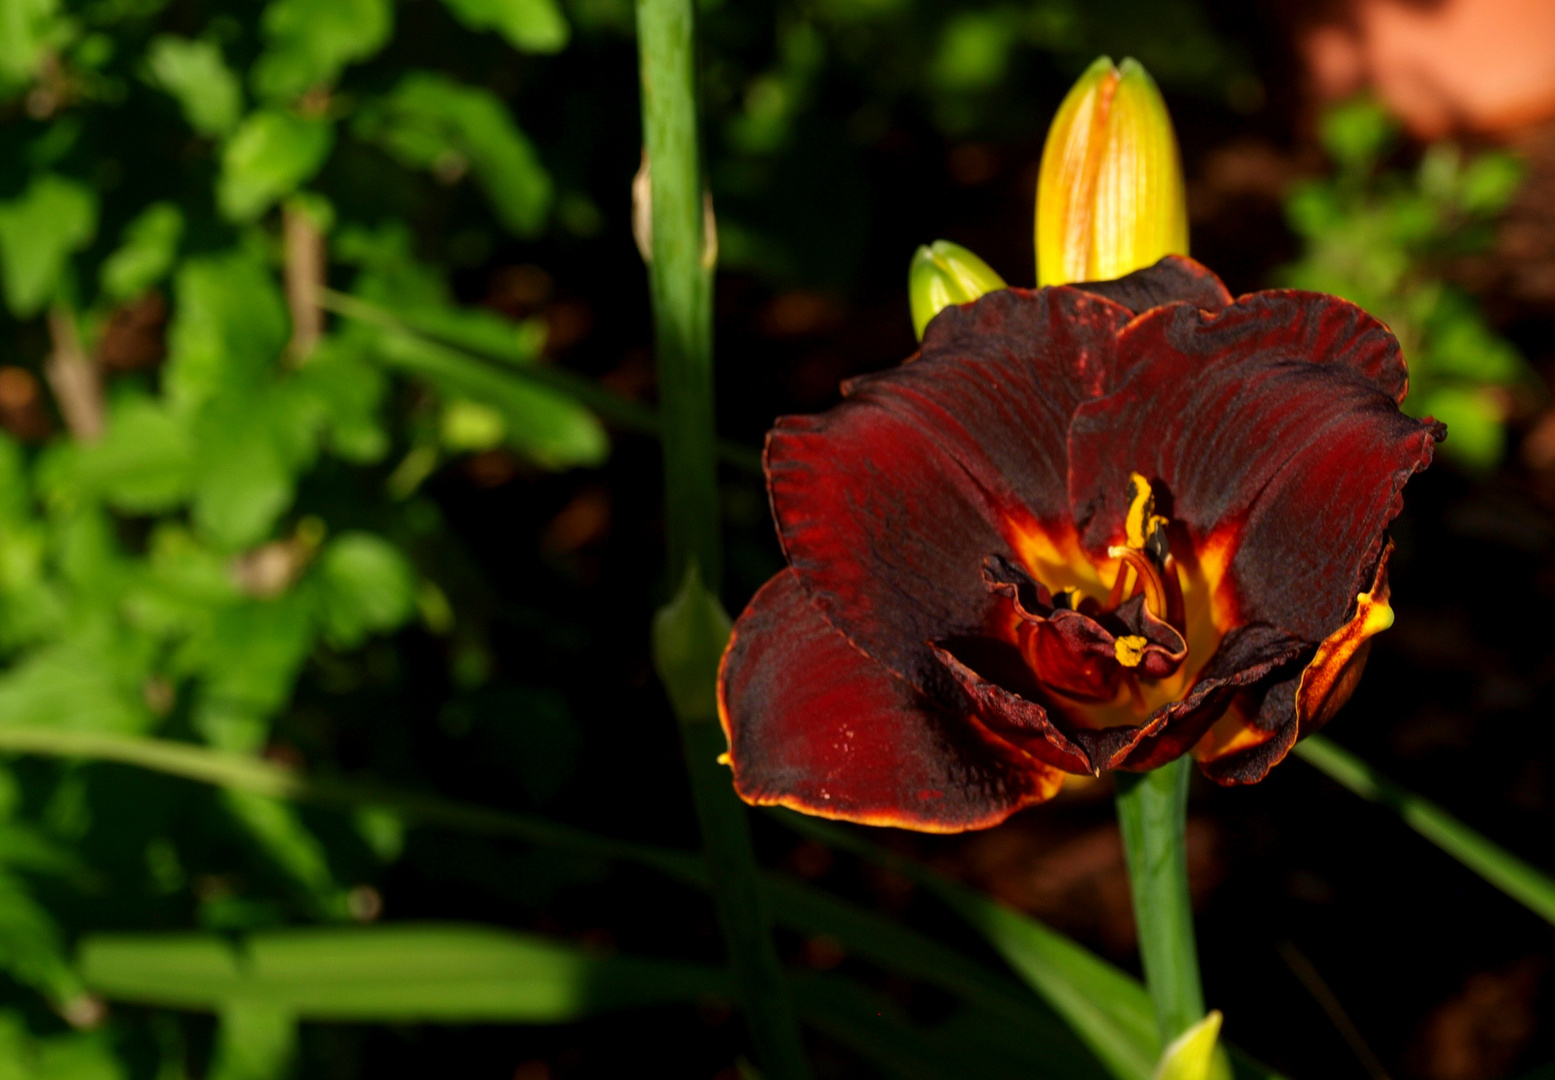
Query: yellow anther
(1130, 649)
(1142, 521)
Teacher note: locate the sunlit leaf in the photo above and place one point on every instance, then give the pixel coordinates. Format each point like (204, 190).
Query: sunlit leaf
(246, 479)
(197, 76)
(368, 587)
(311, 41)
(39, 231)
(229, 326)
(408, 973)
(145, 461)
(69, 1056)
(146, 253)
(530, 25)
(432, 122)
(267, 158)
(255, 1041)
(546, 425)
(27, 29)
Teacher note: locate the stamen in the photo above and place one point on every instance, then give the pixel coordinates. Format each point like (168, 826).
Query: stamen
(1130, 649)
(1142, 526)
(1149, 578)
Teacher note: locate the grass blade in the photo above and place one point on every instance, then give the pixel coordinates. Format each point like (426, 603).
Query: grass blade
(1528, 886)
(400, 973)
(1105, 1007)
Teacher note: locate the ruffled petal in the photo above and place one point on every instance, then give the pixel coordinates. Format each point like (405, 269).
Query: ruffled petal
(888, 504)
(1284, 460)
(815, 725)
(1247, 656)
(1175, 278)
(1265, 720)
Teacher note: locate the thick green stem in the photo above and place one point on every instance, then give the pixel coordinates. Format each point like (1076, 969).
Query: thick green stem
(681, 287)
(1153, 811)
(687, 647)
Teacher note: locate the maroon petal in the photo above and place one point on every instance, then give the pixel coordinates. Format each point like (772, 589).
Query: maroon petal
(888, 504)
(1247, 656)
(1174, 278)
(1277, 324)
(815, 725)
(1274, 439)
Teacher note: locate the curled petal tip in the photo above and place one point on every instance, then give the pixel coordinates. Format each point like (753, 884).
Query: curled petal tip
(942, 274)
(1110, 196)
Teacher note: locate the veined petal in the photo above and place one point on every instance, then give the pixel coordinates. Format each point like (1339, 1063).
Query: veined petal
(1263, 723)
(815, 725)
(888, 504)
(1282, 453)
(1173, 278)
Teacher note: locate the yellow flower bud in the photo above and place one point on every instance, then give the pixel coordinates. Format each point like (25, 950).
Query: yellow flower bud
(1193, 1055)
(942, 274)
(1110, 195)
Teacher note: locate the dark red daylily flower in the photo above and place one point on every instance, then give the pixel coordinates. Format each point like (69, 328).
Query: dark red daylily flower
(1086, 527)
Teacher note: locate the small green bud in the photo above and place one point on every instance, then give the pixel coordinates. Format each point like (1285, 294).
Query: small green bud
(942, 274)
(689, 636)
(1194, 1055)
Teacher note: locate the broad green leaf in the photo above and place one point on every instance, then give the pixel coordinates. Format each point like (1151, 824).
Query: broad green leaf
(229, 327)
(145, 461)
(528, 25)
(71, 1056)
(254, 1042)
(405, 973)
(367, 587)
(269, 156)
(39, 231)
(432, 122)
(244, 478)
(27, 29)
(89, 683)
(195, 74)
(248, 659)
(342, 392)
(311, 41)
(146, 253)
(546, 425)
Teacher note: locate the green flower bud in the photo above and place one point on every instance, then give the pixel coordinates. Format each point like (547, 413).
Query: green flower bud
(942, 274)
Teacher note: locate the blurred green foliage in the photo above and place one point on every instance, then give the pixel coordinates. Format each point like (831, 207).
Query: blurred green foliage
(1385, 237)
